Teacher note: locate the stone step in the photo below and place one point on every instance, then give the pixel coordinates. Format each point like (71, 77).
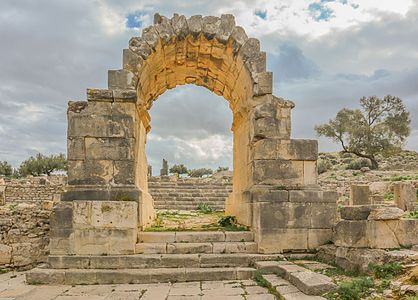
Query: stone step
(287, 290)
(305, 280)
(134, 276)
(148, 261)
(190, 248)
(194, 236)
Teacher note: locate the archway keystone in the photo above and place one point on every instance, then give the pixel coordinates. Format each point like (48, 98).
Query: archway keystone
(275, 189)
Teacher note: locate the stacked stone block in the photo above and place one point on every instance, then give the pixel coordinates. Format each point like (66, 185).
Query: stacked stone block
(373, 226)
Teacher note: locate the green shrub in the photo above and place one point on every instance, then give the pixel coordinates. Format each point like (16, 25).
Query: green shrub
(388, 196)
(359, 163)
(6, 169)
(227, 221)
(386, 271)
(357, 289)
(42, 164)
(323, 166)
(200, 172)
(412, 214)
(205, 208)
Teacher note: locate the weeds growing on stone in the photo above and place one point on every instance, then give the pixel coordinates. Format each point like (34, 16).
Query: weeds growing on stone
(356, 289)
(386, 271)
(261, 281)
(412, 214)
(400, 178)
(205, 208)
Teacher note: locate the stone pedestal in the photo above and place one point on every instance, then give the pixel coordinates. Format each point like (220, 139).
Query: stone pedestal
(405, 195)
(360, 194)
(94, 227)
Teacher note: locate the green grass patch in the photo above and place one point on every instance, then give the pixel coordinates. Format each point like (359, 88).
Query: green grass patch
(259, 279)
(400, 178)
(356, 289)
(386, 271)
(205, 208)
(412, 214)
(388, 196)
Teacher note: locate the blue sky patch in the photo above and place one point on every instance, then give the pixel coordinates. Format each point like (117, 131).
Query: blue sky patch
(133, 20)
(261, 14)
(319, 11)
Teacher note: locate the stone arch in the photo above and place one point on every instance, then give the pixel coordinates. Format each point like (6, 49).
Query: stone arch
(107, 135)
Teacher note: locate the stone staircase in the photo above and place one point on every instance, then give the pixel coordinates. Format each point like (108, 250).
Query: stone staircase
(292, 281)
(186, 195)
(186, 256)
(160, 257)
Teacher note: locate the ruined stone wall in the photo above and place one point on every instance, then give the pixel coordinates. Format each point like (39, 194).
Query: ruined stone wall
(34, 189)
(24, 234)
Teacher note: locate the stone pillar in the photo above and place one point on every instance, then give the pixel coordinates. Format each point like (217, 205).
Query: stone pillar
(360, 194)
(405, 195)
(164, 170)
(99, 211)
(149, 171)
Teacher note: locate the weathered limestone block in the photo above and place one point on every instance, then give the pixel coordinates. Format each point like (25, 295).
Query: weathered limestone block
(124, 172)
(290, 239)
(356, 212)
(360, 194)
(323, 215)
(271, 148)
(263, 194)
(98, 227)
(319, 237)
(111, 193)
(99, 95)
(278, 172)
(94, 172)
(180, 26)
(226, 28)
(140, 47)
(274, 215)
(249, 49)
(121, 79)
(210, 26)
(379, 235)
(406, 231)
(100, 119)
(104, 241)
(105, 214)
(405, 195)
(195, 25)
(264, 83)
(351, 233)
(385, 213)
(239, 37)
(109, 148)
(75, 148)
(131, 61)
(5, 254)
(61, 234)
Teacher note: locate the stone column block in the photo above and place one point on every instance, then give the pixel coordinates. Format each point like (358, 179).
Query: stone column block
(121, 80)
(405, 195)
(360, 194)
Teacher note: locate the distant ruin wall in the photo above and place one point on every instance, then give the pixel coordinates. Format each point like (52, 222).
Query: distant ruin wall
(34, 189)
(24, 234)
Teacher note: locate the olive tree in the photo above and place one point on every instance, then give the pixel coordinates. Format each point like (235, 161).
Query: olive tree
(42, 164)
(380, 126)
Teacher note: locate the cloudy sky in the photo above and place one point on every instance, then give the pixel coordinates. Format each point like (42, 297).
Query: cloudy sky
(325, 55)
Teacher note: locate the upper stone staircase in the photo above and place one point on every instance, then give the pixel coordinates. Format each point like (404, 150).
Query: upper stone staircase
(187, 195)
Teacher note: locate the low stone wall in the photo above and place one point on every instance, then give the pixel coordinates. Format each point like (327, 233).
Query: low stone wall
(24, 234)
(34, 189)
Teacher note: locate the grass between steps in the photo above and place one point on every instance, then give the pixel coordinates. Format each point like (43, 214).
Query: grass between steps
(261, 281)
(200, 220)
